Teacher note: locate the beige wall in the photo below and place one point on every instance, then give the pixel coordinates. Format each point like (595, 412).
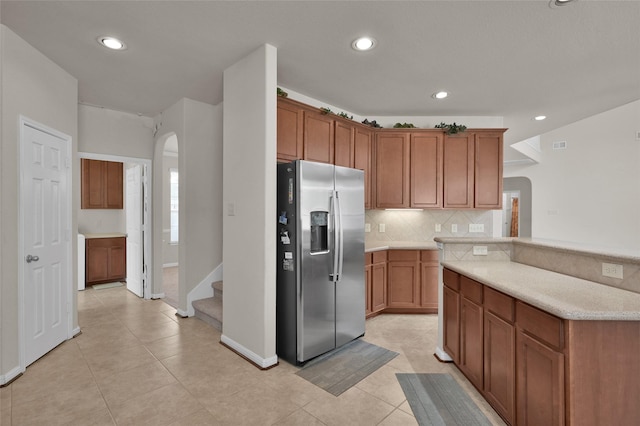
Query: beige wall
(198, 127)
(250, 187)
(37, 88)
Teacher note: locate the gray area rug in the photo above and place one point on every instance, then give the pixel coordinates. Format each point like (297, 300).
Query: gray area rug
(338, 370)
(438, 400)
(107, 285)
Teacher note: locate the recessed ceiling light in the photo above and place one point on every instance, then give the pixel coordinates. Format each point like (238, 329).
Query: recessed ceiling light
(363, 43)
(440, 95)
(539, 117)
(559, 3)
(112, 43)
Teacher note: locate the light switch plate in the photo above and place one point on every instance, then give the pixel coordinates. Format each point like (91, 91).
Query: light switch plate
(480, 250)
(367, 227)
(382, 227)
(612, 270)
(454, 228)
(438, 227)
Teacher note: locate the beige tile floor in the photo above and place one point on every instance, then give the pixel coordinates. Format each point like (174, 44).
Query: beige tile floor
(136, 363)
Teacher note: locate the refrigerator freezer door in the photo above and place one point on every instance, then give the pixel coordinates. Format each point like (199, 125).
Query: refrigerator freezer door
(350, 288)
(316, 292)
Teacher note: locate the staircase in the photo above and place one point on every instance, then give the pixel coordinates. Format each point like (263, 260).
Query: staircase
(209, 310)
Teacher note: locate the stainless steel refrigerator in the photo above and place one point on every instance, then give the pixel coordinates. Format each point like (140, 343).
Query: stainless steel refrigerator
(320, 272)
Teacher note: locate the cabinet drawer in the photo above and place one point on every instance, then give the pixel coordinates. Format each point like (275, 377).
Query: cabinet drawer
(403, 255)
(471, 289)
(429, 255)
(451, 279)
(379, 256)
(499, 304)
(368, 258)
(540, 324)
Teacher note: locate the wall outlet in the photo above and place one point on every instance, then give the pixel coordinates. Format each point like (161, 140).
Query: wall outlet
(231, 208)
(367, 227)
(438, 227)
(476, 227)
(454, 228)
(382, 227)
(480, 250)
(612, 270)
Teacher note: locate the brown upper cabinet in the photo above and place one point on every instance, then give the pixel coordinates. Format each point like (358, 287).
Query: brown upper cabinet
(473, 169)
(102, 184)
(417, 168)
(290, 122)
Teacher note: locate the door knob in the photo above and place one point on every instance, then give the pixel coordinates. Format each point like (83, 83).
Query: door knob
(32, 258)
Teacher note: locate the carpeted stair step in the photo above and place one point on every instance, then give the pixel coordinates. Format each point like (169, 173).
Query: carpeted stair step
(209, 310)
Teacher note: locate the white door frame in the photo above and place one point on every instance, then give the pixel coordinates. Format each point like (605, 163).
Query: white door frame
(146, 209)
(24, 122)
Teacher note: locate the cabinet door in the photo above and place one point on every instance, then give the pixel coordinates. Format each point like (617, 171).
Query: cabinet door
(458, 170)
(429, 279)
(378, 287)
(344, 144)
(290, 134)
(318, 137)
(488, 170)
(471, 341)
(540, 383)
(362, 161)
(118, 259)
(499, 365)
(426, 170)
(404, 279)
(93, 191)
(451, 326)
(392, 170)
(368, 283)
(113, 181)
(97, 262)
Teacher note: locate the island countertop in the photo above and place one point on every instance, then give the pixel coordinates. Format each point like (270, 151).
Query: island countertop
(562, 295)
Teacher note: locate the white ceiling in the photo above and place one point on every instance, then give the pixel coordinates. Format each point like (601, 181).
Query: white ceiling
(514, 59)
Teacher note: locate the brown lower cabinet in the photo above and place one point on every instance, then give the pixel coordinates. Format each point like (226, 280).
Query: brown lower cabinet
(105, 260)
(538, 369)
(401, 281)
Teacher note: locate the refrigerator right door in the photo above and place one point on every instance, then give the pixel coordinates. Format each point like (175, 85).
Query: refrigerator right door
(316, 291)
(350, 288)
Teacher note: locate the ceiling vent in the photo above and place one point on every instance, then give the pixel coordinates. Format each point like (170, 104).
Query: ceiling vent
(560, 145)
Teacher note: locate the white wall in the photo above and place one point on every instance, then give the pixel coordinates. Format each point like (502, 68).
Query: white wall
(250, 190)
(109, 132)
(590, 192)
(198, 127)
(33, 86)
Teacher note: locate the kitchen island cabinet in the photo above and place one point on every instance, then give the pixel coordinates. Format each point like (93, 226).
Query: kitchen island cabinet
(577, 370)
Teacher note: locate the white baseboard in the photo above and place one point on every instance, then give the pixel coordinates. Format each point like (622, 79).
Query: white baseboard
(157, 295)
(170, 265)
(250, 355)
(203, 290)
(182, 313)
(12, 374)
(75, 332)
(442, 355)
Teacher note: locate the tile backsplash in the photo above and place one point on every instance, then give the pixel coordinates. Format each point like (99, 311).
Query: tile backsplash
(419, 226)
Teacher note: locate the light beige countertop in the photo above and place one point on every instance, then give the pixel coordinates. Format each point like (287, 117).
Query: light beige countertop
(561, 295)
(473, 240)
(399, 245)
(109, 235)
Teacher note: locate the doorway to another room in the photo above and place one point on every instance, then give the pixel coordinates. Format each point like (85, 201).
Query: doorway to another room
(133, 221)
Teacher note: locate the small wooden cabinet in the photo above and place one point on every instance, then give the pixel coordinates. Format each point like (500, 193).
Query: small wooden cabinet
(362, 154)
(379, 281)
(290, 131)
(426, 170)
(404, 279)
(101, 184)
(451, 314)
(458, 171)
(105, 260)
(471, 331)
(318, 137)
(429, 268)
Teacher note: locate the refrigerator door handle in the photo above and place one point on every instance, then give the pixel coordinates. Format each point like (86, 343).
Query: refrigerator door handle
(340, 235)
(333, 276)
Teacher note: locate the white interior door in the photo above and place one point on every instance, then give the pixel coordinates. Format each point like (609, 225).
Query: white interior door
(46, 242)
(133, 213)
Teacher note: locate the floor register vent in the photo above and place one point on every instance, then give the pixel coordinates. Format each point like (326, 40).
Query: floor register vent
(560, 145)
